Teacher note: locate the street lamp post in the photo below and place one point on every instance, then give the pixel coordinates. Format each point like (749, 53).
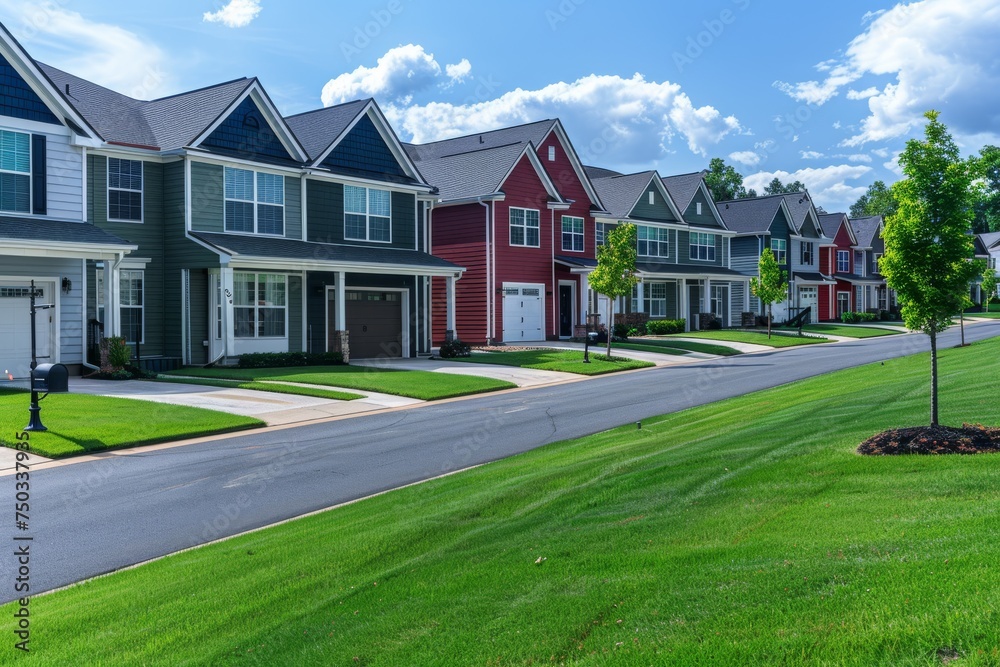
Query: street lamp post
(35, 420)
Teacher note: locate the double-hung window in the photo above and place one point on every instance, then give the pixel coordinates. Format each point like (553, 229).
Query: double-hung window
(780, 249)
(655, 300)
(524, 228)
(601, 232)
(875, 259)
(859, 262)
(367, 214)
(255, 202)
(806, 253)
(572, 234)
(124, 190)
(652, 241)
(130, 303)
(843, 261)
(15, 172)
(703, 246)
(259, 305)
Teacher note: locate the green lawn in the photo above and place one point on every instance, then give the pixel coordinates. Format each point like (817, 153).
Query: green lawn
(746, 532)
(673, 346)
(273, 387)
(851, 332)
(756, 337)
(566, 361)
(79, 423)
(413, 384)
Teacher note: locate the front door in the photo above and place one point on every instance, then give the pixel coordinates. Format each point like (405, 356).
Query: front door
(565, 311)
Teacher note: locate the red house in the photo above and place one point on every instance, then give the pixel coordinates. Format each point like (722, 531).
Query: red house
(511, 200)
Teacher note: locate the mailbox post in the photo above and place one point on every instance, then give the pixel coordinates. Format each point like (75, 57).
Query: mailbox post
(40, 375)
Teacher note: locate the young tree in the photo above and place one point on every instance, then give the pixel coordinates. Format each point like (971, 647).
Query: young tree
(928, 250)
(771, 286)
(989, 287)
(615, 276)
(723, 181)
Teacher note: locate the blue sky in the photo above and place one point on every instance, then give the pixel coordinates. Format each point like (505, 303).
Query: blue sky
(826, 93)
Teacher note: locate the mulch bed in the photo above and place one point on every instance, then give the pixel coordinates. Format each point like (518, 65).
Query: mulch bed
(969, 439)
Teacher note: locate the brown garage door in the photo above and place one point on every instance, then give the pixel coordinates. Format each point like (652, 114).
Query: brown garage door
(375, 320)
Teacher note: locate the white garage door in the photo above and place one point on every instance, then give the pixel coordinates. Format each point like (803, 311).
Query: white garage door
(15, 329)
(809, 298)
(522, 312)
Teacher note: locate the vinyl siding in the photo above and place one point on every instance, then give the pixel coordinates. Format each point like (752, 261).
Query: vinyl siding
(684, 250)
(458, 235)
(659, 210)
(706, 219)
(207, 197)
(293, 209)
(199, 316)
(746, 254)
(325, 211)
(295, 313)
(64, 178)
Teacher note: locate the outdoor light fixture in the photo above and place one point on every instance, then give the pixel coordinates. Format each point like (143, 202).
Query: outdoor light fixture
(67, 285)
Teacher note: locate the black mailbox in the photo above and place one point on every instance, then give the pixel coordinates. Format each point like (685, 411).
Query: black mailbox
(51, 379)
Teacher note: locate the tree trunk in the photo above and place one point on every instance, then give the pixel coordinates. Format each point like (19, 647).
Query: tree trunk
(961, 320)
(934, 377)
(611, 323)
(770, 316)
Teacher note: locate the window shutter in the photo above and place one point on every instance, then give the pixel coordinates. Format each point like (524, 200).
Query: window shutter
(39, 185)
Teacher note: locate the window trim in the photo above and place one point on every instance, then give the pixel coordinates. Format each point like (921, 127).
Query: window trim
(99, 299)
(573, 234)
(256, 203)
(847, 261)
(552, 153)
(525, 227)
(658, 241)
(694, 244)
(780, 253)
(805, 247)
(876, 256)
(30, 173)
(141, 191)
(256, 307)
(859, 260)
(368, 216)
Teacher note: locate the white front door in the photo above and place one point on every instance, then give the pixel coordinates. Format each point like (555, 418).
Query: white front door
(523, 312)
(15, 328)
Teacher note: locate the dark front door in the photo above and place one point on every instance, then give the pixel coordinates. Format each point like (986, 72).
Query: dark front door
(566, 310)
(375, 323)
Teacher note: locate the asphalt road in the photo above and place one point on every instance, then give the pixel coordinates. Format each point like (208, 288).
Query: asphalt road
(96, 517)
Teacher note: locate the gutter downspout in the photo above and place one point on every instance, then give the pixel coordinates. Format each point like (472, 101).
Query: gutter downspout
(489, 275)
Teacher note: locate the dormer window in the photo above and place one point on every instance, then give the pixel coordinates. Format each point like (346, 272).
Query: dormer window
(15, 172)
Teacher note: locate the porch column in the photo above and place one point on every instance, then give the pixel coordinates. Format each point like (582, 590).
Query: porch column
(584, 298)
(746, 297)
(112, 292)
(340, 302)
(449, 334)
(641, 300)
(228, 286)
(683, 300)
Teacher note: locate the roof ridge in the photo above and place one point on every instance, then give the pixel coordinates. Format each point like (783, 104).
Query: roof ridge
(478, 150)
(332, 106)
(250, 80)
(499, 129)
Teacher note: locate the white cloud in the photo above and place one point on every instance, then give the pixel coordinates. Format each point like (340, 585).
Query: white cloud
(940, 53)
(860, 157)
(893, 164)
(401, 72)
(104, 53)
(827, 185)
(881, 152)
(837, 125)
(748, 158)
(811, 155)
(236, 14)
(629, 122)
(460, 71)
(862, 94)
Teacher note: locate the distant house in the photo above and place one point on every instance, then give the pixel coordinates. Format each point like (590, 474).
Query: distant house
(840, 261)
(517, 210)
(988, 250)
(870, 290)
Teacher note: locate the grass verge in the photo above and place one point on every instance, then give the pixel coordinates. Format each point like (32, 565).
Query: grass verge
(565, 361)
(79, 424)
(668, 346)
(422, 385)
(755, 337)
(273, 387)
(849, 332)
(745, 532)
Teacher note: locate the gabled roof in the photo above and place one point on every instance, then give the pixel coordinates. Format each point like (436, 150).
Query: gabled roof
(865, 230)
(474, 174)
(801, 207)
(533, 133)
(318, 129)
(601, 172)
(752, 215)
(991, 240)
(684, 187)
(831, 224)
(621, 194)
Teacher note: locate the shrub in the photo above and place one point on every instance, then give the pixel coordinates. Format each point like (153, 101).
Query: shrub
(455, 348)
(282, 359)
(867, 317)
(622, 330)
(847, 317)
(664, 327)
(119, 353)
(715, 325)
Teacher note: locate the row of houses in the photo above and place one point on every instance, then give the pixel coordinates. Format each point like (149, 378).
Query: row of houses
(205, 225)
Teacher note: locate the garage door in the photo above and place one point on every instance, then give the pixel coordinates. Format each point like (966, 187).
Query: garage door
(15, 329)
(809, 298)
(522, 312)
(375, 322)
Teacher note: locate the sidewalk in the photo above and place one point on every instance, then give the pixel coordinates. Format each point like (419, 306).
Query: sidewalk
(522, 377)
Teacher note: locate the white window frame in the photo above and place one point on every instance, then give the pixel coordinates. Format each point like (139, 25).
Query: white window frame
(780, 249)
(843, 261)
(717, 301)
(28, 173)
(141, 191)
(552, 153)
(257, 307)
(652, 197)
(806, 252)
(255, 202)
(524, 227)
(368, 215)
(141, 307)
(699, 241)
(601, 233)
(572, 234)
(875, 258)
(847, 303)
(697, 208)
(859, 262)
(661, 242)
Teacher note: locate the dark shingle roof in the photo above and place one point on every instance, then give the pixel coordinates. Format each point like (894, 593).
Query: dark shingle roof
(600, 172)
(316, 130)
(167, 123)
(683, 188)
(865, 229)
(620, 193)
(813, 278)
(473, 174)
(253, 246)
(989, 239)
(30, 229)
(799, 205)
(830, 223)
(686, 269)
(749, 215)
(519, 134)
